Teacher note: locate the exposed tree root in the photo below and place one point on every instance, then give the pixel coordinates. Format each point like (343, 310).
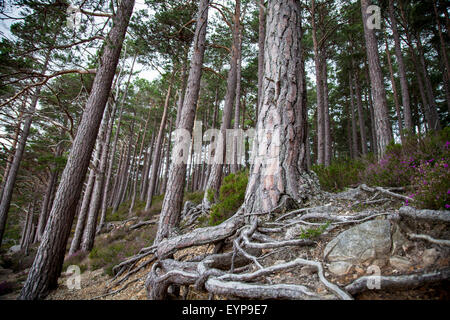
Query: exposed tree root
(397, 282)
(243, 272)
(425, 214)
(430, 239)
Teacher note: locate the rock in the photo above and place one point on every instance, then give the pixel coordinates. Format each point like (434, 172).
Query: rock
(340, 267)
(429, 257)
(14, 249)
(398, 240)
(400, 263)
(279, 262)
(367, 241)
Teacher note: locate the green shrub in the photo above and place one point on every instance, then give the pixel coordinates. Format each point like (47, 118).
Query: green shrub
(314, 232)
(231, 197)
(339, 175)
(195, 197)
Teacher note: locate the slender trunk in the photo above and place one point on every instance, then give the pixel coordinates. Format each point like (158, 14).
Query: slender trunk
(173, 198)
(428, 87)
(237, 102)
(326, 115)
(27, 225)
(105, 166)
(124, 172)
(383, 125)
(157, 150)
(354, 129)
(401, 70)
(261, 42)
(166, 171)
(362, 125)
(147, 167)
(394, 92)
(82, 214)
(319, 89)
(47, 265)
(10, 182)
(94, 206)
(136, 178)
(215, 176)
(45, 208)
(13, 148)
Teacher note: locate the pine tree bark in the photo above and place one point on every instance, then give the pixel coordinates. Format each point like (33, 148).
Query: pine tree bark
(47, 265)
(383, 125)
(279, 152)
(173, 198)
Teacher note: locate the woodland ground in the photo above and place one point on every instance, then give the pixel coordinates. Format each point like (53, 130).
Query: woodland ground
(96, 283)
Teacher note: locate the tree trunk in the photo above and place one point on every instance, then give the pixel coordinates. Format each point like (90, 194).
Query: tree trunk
(401, 70)
(261, 41)
(319, 89)
(383, 125)
(279, 151)
(237, 102)
(326, 115)
(394, 92)
(141, 150)
(47, 265)
(446, 75)
(10, 182)
(362, 124)
(166, 171)
(148, 165)
(215, 176)
(46, 207)
(173, 198)
(355, 153)
(157, 151)
(94, 206)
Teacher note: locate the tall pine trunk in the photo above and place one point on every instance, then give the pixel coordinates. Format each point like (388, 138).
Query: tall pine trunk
(383, 125)
(173, 198)
(47, 265)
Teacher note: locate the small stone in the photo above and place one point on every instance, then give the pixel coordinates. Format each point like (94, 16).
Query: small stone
(400, 263)
(279, 262)
(340, 267)
(429, 257)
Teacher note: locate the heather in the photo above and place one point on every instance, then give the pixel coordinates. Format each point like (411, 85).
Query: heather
(420, 165)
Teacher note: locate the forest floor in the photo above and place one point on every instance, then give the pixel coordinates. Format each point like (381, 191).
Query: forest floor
(414, 257)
